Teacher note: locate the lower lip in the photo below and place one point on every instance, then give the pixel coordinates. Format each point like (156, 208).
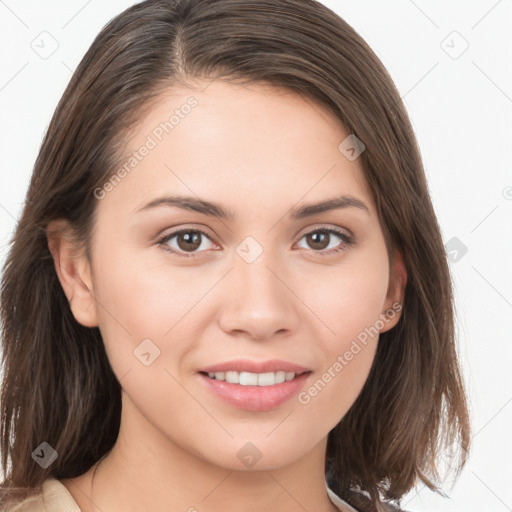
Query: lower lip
(256, 398)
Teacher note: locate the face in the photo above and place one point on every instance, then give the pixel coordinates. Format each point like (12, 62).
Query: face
(257, 277)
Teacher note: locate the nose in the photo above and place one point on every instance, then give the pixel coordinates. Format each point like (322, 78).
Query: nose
(259, 300)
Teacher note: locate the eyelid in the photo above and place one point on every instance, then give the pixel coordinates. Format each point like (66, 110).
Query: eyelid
(327, 227)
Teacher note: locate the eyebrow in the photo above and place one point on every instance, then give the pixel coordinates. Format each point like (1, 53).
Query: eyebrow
(216, 210)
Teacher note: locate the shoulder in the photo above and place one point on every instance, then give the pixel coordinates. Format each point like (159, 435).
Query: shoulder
(52, 497)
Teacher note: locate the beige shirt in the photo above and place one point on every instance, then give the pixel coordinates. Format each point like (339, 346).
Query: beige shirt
(54, 497)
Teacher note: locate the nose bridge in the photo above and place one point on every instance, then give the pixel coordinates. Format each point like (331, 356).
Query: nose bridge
(260, 286)
(260, 302)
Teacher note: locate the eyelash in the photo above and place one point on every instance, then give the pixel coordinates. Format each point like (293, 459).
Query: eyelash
(344, 246)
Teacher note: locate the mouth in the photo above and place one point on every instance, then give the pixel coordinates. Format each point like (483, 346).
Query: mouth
(256, 392)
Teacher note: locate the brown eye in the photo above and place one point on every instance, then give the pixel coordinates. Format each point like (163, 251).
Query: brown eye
(321, 239)
(184, 241)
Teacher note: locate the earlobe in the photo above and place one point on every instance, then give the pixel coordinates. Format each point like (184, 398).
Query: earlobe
(73, 271)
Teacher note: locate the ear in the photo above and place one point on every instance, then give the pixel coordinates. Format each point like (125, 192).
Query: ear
(73, 270)
(396, 291)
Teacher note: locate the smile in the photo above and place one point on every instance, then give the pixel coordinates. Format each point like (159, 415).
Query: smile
(253, 379)
(252, 396)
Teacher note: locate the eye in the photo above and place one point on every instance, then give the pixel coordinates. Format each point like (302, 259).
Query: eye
(187, 240)
(320, 239)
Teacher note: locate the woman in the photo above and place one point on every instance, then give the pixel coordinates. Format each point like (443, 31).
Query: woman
(228, 288)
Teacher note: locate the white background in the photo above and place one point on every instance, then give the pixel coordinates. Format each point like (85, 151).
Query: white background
(461, 108)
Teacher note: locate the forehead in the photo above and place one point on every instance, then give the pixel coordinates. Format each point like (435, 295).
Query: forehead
(223, 141)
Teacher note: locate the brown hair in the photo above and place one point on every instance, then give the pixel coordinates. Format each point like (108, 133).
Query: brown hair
(58, 386)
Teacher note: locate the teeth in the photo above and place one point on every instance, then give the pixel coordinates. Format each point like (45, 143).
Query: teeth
(253, 379)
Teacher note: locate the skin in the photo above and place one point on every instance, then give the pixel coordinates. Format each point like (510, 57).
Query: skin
(259, 151)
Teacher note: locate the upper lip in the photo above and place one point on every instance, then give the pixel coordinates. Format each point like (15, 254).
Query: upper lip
(245, 365)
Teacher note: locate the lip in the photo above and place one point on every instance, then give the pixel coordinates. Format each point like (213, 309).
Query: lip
(246, 365)
(255, 398)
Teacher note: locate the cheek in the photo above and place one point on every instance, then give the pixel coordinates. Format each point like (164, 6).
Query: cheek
(349, 297)
(348, 349)
(137, 301)
(349, 303)
(145, 327)
(334, 390)
(147, 296)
